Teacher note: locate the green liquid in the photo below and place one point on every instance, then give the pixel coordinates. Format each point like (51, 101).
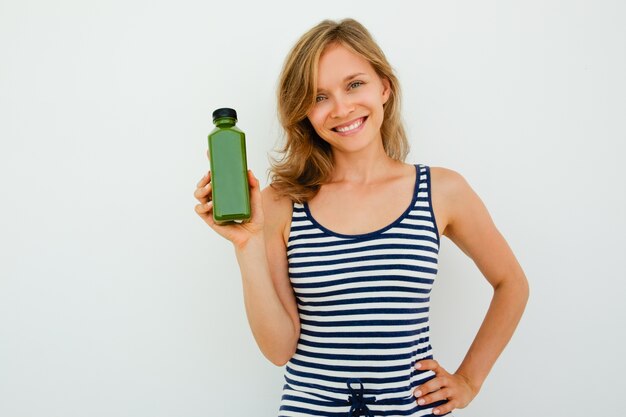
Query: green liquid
(229, 172)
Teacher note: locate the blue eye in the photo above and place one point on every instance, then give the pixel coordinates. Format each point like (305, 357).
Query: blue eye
(356, 84)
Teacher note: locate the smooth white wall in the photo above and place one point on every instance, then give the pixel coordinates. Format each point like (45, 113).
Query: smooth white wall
(116, 300)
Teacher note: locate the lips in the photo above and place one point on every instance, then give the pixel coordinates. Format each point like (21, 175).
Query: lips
(350, 126)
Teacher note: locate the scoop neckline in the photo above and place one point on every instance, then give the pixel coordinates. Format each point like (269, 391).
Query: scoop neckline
(375, 232)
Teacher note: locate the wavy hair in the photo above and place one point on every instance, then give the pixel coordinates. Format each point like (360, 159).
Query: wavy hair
(305, 162)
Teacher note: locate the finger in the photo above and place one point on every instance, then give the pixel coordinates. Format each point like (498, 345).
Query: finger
(427, 364)
(256, 200)
(204, 180)
(204, 208)
(203, 194)
(429, 387)
(444, 408)
(439, 395)
(253, 180)
(205, 211)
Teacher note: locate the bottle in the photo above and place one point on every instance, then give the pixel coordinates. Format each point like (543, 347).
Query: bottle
(229, 169)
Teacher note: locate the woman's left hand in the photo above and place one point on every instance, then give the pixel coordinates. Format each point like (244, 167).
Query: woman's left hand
(456, 388)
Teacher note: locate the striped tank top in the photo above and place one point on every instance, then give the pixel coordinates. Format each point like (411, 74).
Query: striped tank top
(363, 302)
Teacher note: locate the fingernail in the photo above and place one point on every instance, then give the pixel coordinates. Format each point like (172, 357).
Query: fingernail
(435, 411)
(418, 393)
(421, 401)
(418, 365)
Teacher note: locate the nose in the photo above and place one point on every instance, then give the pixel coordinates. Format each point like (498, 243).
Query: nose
(342, 107)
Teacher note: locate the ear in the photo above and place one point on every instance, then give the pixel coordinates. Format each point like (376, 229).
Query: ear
(386, 89)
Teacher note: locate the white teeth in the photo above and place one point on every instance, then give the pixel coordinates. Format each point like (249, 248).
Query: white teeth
(351, 127)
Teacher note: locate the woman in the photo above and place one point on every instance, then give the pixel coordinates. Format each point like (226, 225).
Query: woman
(340, 254)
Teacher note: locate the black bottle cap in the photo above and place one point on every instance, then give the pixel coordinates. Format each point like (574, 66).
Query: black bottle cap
(224, 112)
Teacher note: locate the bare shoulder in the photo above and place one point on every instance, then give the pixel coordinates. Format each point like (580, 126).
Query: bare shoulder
(447, 181)
(467, 221)
(448, 189)
(277, 211)
(275, 201)
(470, 226)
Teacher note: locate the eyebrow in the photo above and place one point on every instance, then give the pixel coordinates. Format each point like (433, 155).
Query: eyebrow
(352, 76)
(349, 77)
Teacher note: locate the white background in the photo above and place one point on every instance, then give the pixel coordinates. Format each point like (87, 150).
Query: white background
(117, 300)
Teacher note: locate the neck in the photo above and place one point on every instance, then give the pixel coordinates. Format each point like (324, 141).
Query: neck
(362, 167)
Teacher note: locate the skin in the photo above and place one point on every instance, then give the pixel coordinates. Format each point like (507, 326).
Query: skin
(367, 191)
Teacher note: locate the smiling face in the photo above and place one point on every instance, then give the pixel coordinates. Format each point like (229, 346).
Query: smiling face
(348, 110)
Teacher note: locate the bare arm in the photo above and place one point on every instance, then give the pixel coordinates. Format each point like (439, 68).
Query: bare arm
(469, 225)
(268, 295)
(261, 253)
(474, 232)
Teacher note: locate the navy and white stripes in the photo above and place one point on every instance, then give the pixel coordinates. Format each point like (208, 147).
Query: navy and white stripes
(363, 302)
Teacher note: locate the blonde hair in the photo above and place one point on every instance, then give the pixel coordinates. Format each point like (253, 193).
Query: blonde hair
(306, 160)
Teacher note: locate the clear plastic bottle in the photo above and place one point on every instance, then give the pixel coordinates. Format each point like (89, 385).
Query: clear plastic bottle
(229, 169)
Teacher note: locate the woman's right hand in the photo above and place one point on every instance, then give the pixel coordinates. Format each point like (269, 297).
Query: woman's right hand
(261, 252)
(238, 233)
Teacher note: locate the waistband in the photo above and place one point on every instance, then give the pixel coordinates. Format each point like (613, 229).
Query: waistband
(360, 404)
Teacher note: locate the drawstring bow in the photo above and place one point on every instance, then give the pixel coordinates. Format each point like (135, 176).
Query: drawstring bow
(358, 402)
